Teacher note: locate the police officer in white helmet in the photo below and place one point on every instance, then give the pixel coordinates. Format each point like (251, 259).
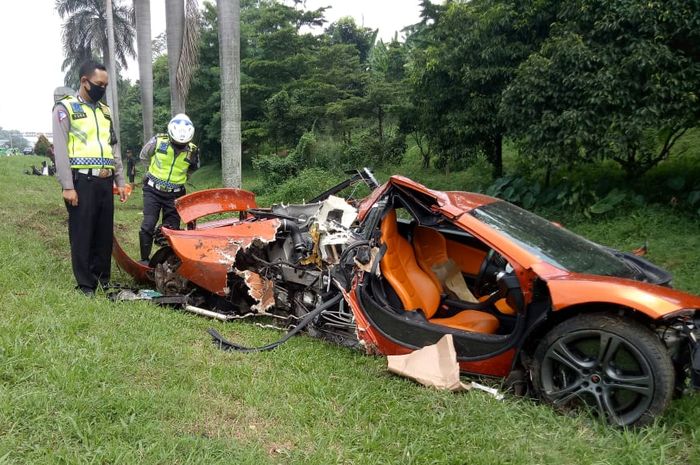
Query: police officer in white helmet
(171, 159)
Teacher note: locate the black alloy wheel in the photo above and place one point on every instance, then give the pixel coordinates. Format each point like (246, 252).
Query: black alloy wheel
(614, 365)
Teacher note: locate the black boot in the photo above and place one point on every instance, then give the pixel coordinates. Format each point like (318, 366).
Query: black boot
(146, 243)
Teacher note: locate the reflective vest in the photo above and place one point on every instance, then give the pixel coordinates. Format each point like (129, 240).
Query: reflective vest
(167, 168)
(89, 134)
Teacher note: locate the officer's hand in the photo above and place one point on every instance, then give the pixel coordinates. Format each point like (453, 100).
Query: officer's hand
(71, 197)
(123, 195)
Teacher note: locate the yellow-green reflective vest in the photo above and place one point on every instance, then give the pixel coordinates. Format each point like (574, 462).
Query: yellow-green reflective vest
(166, 168)
(89, 134)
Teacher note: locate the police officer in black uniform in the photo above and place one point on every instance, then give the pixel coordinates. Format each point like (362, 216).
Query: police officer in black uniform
(87, 166)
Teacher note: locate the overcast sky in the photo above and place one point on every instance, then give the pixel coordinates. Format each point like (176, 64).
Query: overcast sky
(31, 53)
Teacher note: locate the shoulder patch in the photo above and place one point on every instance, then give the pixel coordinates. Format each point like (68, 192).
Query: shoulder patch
(77, 110)
(62, 114)
(163, 147)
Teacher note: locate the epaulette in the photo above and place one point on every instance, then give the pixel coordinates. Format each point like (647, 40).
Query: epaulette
(63, 100)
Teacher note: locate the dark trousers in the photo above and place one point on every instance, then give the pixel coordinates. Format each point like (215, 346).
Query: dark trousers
(155, 202)
(131, 170)
(90, 228)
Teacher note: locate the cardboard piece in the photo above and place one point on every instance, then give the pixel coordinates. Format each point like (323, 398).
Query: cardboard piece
(449, 274)
(433, 366)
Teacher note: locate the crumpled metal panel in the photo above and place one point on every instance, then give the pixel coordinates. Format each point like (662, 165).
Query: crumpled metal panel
(208, 256)
(138, 271)
(212, 201)
(260, 289)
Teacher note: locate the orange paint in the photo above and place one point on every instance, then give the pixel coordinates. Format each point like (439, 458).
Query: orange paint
(199, 204)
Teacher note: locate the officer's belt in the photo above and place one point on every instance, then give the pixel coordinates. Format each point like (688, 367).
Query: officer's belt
(162, 188)
(96, 172)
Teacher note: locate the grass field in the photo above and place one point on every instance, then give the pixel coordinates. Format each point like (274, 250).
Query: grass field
(91, 381)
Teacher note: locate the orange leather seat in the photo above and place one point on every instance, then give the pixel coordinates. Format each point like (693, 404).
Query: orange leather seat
(416, 288)
(431, 249)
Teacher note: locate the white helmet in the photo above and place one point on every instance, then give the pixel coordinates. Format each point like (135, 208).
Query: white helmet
(181, 129)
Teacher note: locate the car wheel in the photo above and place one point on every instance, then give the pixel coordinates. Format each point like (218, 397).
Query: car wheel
(614, 365)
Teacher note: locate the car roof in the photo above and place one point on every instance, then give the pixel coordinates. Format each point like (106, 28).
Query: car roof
(463, 201)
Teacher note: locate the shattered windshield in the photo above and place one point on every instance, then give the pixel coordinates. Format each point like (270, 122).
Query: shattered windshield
(552, 244)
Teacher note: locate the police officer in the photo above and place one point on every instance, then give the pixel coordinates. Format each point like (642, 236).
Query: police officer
(173, 157)
(87, 166)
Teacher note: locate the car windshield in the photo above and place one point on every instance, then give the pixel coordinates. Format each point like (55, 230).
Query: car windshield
(553, 244)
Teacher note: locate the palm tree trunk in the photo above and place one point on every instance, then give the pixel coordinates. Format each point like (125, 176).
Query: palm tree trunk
(114, 78)
(174, 28)
(229, 12)
(142, 10)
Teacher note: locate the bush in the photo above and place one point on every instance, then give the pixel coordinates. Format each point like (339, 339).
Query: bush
(367, 150)
(306, 185)
(575, 196)
(275, 169)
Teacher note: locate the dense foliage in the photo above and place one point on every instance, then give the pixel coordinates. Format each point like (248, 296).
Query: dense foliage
(614, 80)
(561, 83)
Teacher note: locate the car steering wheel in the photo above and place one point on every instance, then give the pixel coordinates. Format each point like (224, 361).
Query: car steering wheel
(491, 258)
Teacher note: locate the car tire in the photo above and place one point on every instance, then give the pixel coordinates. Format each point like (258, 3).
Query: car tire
(615, 365)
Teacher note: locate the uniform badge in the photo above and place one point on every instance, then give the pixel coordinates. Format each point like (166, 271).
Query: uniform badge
(62, 115)
(78, 112)
(163, 147)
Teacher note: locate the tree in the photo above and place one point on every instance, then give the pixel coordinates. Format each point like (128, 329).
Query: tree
(346, 31)
(468, 55)
(230, 65)
(182, 29)
(14, 138)
(42, 146)
(113, 90)
(617, 80)
(84, 34)
(130, 116)
(142, 13)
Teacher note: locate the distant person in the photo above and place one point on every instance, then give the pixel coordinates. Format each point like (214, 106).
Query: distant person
(173, 157)
(88, 165)
(130, 166)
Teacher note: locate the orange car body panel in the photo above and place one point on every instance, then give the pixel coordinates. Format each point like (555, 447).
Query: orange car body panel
(652, 300)
(199, 204)
(208, 255)
(136, 270)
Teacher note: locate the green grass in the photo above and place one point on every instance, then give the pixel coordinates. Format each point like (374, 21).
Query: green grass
(91, 381)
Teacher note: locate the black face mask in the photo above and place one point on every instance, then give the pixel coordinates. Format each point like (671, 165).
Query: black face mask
(96, 92)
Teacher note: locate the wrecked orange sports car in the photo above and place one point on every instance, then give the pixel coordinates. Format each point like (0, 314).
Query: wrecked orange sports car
(571, 321)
